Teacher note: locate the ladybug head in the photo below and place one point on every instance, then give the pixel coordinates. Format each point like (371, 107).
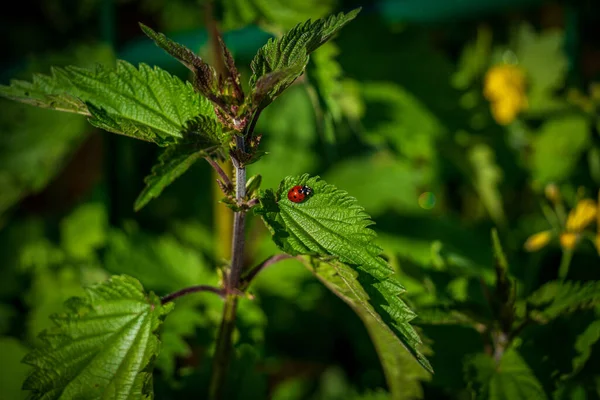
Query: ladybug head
(306, 190)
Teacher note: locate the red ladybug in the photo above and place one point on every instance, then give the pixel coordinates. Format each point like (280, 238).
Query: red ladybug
(298, 193)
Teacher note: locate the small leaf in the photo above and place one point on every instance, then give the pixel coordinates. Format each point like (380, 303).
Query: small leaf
(206, 79)
(145, 103)
(202, 139)
(542, 56)
(288, 55)
(330, 223)
(555, 155)
(401, 370)
(557, 298)
(510, 379)
(102, 347)
(583, 345)
(84, 230)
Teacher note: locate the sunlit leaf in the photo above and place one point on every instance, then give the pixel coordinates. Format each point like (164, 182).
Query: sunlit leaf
(102, 347)
(330, 223)
(145, 103)
(289, 54)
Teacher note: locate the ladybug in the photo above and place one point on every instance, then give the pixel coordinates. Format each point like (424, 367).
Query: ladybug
(298, 193)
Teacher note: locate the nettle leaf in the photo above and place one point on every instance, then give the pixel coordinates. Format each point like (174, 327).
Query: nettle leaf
(511, 378)
(203, 138)
(402, 371)
(557, 298)
(145, 103)
(206, 78)
(330, 223)
(281, 61)
(555, 157)
(584, 344)
(102, 347)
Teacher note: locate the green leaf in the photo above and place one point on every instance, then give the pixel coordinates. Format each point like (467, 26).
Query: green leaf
(510, 379)
(102, 347)
(396, 116)
(583, 345)
(161, 263)
(324, 73)
(357, 289)
(34, 146)
(278, 63)
(330, 223)
(145, 103)
(487, 177)
(206, 78)
(50, 288)
(397, 182)
(84, 230)
(542, 55)
(557, 298)
(202, 140)
(474, 59)
(555, 155)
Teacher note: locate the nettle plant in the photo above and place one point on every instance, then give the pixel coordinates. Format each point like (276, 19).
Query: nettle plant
(105, 344)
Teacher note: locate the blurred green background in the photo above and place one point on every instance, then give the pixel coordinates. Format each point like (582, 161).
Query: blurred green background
(443, 118)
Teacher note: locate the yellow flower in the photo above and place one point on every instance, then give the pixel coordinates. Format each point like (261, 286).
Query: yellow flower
(568, 240)
(504, 87)
(578, 219)
(552, 193)
(598, 225)
(582, 215)
(538, 240)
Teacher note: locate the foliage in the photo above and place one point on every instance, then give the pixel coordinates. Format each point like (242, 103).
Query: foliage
(157, 108)
(432, 135)
(332, 224)
(86, 349)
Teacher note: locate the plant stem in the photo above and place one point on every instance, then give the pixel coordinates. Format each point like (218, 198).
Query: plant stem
(251, 274)
(565, 261)
(219, 171)
(223, 349)
(192, 289)
(224, 339)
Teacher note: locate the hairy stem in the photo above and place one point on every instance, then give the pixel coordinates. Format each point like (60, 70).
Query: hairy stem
(224, 339)
(192, 289)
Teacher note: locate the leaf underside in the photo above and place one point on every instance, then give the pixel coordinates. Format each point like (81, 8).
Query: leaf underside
(145, 103)
(102, 348)
(401, 369)
(330, 223)
(203, 137)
